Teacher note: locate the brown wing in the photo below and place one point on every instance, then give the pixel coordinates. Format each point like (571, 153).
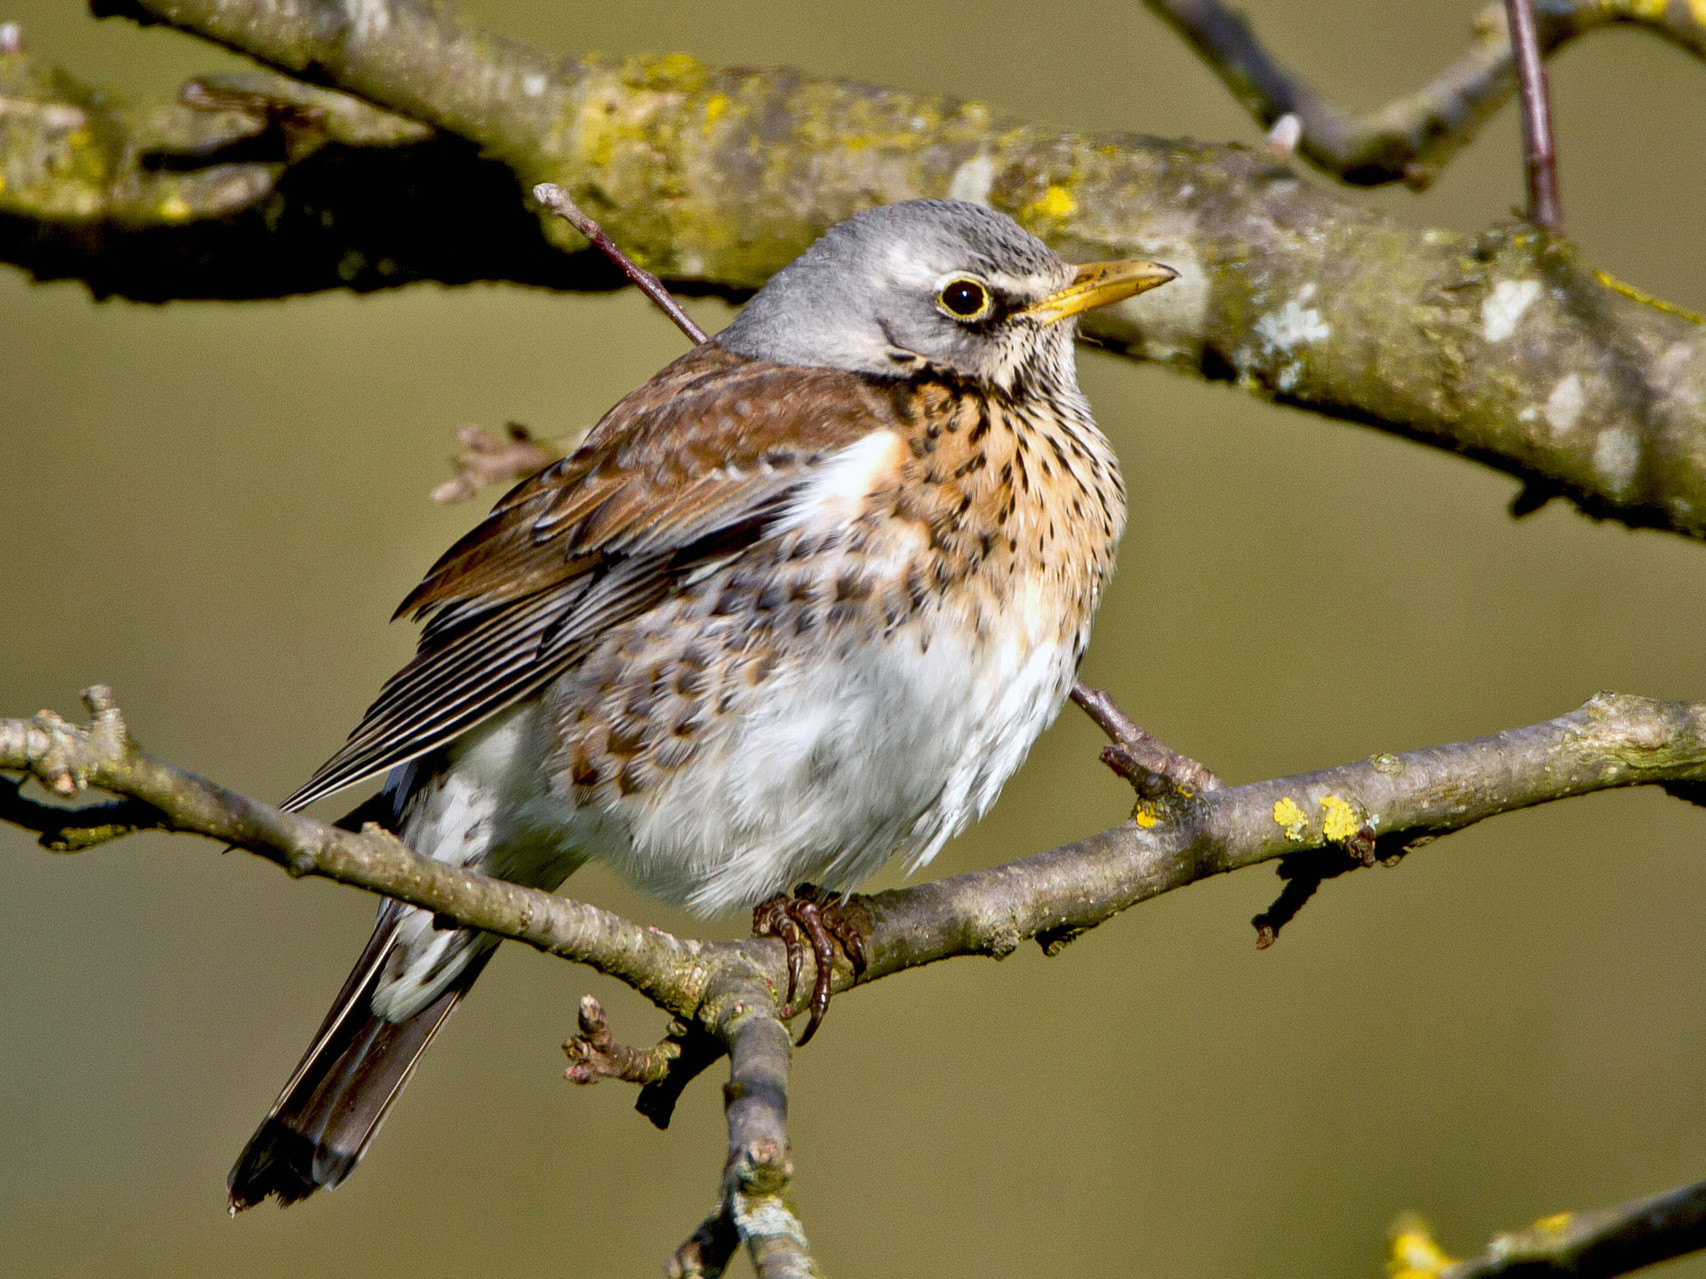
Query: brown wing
(690, 467)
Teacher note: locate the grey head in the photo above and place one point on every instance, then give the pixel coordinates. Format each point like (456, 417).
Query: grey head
(938, 285)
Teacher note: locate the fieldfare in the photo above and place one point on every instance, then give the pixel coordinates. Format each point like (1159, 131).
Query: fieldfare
(800, 603)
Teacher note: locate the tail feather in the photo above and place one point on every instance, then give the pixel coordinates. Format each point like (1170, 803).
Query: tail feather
(341, 1091)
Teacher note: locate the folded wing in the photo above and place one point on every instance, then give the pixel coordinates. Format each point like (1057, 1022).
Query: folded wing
(691, 468)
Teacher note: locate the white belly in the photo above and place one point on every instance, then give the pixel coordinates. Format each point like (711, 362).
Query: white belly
(860, 750)
(889, 749)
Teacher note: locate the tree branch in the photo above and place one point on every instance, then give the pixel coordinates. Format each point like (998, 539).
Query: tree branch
(1503, 348)
(1412, 138)
(725, 993)
(1612, 741)
(1568, 1245)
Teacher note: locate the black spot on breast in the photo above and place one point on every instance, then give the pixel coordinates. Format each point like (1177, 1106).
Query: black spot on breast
(917, 589)
(582, 771)
(624, 740)
(852, 586)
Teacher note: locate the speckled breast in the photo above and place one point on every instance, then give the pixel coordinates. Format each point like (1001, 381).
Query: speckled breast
(862, 680)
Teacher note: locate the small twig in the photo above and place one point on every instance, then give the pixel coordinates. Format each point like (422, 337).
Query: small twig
(1568, 1245)
(708, 1250)
(699, 1051)
(1141, 758)
(1301, 875)
(554, 198)
(594, 1054)
(72, 830)
(486, 458)
(1540, 156)
(1411, 138)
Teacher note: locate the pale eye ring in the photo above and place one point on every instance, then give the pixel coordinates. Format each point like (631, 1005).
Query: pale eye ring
(964, 298)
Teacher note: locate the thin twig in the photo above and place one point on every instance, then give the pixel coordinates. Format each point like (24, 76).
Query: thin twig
(485, 458)
(1540, 156)
(1138, 756)
(594, 1053)
(554, 198)
(1413, 137)
(1568, 1245)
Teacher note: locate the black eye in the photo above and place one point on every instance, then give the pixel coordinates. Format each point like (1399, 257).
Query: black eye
(964, 298)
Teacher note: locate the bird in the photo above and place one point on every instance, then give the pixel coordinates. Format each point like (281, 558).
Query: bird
(797, 605)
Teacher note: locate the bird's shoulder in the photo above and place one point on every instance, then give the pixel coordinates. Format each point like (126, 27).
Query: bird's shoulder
(703, 444)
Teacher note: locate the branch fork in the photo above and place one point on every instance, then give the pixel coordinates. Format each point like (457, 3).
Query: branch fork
(724, 994)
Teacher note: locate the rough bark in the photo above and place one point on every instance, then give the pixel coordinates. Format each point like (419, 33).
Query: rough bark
(1504, 347)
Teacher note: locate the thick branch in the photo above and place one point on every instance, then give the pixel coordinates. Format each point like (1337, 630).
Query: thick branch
(1411, 138)
(1504, 348)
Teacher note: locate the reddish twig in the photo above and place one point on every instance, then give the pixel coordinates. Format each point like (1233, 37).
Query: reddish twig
(1540, 156)
(594, 1054)
(554, 198)
(1139, 757)
(662, 1071)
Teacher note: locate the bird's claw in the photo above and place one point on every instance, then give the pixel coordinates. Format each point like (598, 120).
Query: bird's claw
(819, 917)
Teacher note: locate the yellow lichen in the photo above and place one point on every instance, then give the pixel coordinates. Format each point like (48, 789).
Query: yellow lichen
(1558, 1221)
(715, 108)
(1698, 9)
(1145, 815)
(1290, 816)
(1414, 1254)
(1650, 9)
(173, 209)
(1055, 203)
(673, 71)
(1339, 821)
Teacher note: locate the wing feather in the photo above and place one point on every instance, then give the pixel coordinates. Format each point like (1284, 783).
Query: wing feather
(687, 470)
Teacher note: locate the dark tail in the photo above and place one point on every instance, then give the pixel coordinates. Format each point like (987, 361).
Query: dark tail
(340, 1092)
(357, 1064)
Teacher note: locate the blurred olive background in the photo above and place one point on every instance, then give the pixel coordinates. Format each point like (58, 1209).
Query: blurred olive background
(215, 507)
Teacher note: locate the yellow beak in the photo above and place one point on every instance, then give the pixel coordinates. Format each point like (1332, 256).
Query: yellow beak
(1100, 284)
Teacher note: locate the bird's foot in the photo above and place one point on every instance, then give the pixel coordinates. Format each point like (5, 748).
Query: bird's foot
(824, 920)
(1148, 763)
